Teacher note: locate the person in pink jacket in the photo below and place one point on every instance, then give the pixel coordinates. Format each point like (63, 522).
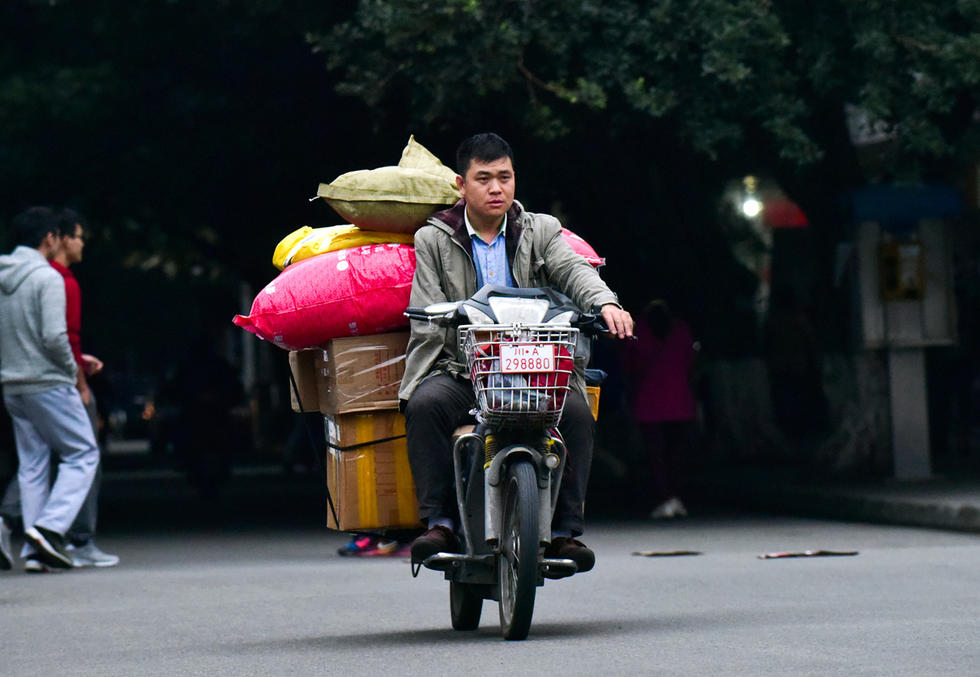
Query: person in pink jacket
(659, 365)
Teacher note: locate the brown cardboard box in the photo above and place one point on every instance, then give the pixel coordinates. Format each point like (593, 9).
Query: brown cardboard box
(368, 475)
(302, 364)
(361, 373)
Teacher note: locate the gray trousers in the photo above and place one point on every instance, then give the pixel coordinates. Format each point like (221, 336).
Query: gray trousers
(83, 528)
(52, 420)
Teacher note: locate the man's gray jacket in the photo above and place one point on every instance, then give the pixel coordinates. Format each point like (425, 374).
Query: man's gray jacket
(444, 271)
(34, 351)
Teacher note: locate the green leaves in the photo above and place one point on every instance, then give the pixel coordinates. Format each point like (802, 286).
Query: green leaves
(653, 101)
(65, 95)
(718, 69)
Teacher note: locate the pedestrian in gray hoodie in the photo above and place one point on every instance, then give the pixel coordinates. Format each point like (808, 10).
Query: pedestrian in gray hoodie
(37, 371)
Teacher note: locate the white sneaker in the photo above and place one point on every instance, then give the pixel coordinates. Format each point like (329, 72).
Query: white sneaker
(89, 555)
(670, 508)
(6, 555)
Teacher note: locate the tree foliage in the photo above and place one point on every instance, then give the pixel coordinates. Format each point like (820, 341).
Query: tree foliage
(193, 133)
(183, 129)
(190, 134)
(638, 113)
(722, 73)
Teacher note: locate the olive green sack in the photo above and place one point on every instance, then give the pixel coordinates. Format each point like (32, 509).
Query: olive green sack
(394, 199)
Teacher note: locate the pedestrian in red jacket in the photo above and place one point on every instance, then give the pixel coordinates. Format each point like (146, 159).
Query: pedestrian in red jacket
(659, 365)
(82, 533)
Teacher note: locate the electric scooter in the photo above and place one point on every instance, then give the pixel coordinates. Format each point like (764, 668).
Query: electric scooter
(519, 346)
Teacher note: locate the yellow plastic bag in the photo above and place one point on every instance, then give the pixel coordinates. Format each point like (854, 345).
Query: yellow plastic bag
(393, 199)
(306, 242)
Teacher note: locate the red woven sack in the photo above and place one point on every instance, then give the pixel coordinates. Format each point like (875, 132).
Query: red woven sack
(348, 292)
(580, 246)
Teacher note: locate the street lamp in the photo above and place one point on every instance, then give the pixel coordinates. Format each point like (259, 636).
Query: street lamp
(751, 206)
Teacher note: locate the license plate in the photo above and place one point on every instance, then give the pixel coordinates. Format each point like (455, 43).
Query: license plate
(521, 358)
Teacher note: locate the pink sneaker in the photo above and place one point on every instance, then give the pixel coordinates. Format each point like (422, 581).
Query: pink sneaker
(389, 549)
(358, 546)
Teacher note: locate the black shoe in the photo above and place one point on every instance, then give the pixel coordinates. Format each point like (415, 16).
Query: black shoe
(50, 547)
(563, 547)
(436, 539)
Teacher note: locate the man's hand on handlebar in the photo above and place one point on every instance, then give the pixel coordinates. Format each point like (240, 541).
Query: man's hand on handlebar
(620, 322)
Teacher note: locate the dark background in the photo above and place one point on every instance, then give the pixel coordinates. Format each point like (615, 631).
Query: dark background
(192, 136)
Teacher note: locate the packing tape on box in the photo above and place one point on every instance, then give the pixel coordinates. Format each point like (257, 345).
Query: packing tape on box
(352, 447)
(367, 489)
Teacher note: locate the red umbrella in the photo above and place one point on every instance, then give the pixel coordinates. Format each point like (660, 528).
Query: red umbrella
(781, 212)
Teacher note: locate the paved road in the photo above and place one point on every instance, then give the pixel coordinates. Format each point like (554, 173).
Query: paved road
(249, 588)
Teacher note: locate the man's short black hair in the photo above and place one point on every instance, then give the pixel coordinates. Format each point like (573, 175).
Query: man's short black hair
(33, 224)
(483, 147)
(69, 219)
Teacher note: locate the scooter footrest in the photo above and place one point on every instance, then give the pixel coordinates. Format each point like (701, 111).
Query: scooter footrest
(557, 568)
(446, 561)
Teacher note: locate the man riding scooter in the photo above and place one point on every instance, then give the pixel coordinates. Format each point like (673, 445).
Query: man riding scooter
(488, 238)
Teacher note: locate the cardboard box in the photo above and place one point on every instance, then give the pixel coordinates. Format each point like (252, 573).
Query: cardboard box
(302, 364)
(368, 475)
(361, 373)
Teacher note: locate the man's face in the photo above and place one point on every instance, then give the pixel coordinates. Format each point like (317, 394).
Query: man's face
(72, 245)
(488, 188)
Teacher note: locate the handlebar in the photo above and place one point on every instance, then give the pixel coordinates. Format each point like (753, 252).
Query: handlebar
(416, 313)
(590, 324)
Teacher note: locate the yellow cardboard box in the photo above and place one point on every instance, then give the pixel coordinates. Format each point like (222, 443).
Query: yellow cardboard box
(368, 475)
(592, 393)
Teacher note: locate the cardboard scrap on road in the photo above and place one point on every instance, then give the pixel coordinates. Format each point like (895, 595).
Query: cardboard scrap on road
(809, 553)
(666, 553)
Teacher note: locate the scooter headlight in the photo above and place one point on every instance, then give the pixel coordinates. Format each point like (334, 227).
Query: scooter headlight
(511, 310)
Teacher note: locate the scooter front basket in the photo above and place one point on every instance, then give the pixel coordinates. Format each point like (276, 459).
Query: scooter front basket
(520, 373)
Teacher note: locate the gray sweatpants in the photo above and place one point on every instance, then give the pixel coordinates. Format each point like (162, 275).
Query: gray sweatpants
(52, 420)
(83, 528)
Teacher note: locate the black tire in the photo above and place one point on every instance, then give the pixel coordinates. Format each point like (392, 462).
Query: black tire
(465, 606)
(518, 561)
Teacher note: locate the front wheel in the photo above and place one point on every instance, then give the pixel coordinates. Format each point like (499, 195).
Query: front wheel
(518, 561)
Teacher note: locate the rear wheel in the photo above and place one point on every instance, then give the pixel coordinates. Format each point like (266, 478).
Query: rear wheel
(465, 606)
(518, 561)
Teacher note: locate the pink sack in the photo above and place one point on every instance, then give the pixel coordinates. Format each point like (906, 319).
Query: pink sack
(348, 292)
(582, 247)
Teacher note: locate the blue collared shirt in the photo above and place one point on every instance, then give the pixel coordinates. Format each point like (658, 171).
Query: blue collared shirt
(490, 259)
